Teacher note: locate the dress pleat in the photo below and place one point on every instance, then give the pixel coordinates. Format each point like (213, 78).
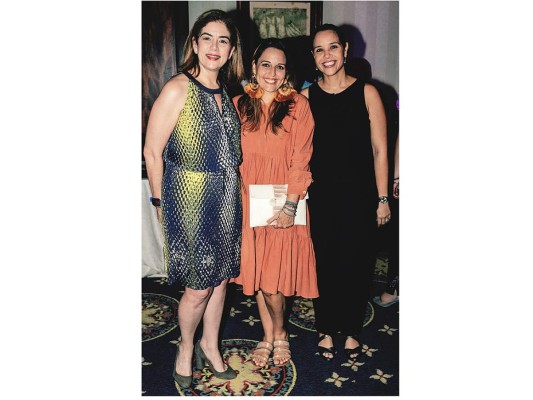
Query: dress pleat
(278, 260)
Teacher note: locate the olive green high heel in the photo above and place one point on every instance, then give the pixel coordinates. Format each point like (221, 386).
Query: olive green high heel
(184, 381)
(201, 361)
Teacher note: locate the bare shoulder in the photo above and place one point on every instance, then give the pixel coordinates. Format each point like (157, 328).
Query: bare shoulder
(371, 91)
(176, 87)
(373, 99)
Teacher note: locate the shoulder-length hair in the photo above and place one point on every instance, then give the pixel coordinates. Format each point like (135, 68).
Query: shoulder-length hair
(233, 70)
(250, 108)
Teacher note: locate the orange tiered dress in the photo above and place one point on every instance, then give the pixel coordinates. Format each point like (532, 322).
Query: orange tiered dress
(278, 260)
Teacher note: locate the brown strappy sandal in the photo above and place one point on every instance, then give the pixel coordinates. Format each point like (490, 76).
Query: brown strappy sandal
(261, 353)
(281, 352)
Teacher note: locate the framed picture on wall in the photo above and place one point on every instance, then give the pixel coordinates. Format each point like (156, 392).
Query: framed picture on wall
(293, 22)
(283, 19)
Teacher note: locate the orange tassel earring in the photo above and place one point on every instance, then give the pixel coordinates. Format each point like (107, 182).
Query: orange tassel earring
(253, 89)
(285, 92)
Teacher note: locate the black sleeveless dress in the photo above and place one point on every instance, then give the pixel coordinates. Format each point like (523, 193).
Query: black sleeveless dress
(343, 200)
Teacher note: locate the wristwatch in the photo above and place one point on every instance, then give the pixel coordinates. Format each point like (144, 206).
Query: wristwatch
(155, 201)
(383, 199)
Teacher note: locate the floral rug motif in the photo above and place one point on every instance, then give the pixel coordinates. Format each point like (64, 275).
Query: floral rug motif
(374, 372)
(159, 315)
(270, 380)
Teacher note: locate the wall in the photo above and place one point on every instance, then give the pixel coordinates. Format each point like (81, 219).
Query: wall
(164, 29)
(374, 24)
(198, 7)
(378, 36)
(158, 53)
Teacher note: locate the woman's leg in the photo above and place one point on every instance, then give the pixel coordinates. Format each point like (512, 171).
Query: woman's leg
(191, 308)
(266, 319)
(262, 352)
(211, 326)
(357, 252)
(275, 304)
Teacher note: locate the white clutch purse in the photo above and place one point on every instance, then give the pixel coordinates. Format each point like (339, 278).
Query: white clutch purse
(265, 200)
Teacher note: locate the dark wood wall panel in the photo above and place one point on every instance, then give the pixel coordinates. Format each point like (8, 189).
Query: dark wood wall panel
(164, 24)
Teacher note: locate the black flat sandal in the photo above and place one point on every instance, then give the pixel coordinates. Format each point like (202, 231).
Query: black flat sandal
(351, 353)
(323, 350)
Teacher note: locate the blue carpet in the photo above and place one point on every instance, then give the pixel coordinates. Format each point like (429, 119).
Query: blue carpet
(375, 372)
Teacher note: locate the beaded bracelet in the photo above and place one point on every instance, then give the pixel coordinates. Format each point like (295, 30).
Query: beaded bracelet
(290, 208)
(290, 215)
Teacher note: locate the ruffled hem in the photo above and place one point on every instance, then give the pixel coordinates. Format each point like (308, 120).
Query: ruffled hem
(278, 260)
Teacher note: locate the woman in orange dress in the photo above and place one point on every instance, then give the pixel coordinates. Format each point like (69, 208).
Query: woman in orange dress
(277, 260)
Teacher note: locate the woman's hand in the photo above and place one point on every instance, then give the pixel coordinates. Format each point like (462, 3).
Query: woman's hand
(396, 188)
(282, 220)
(159, 215)
(383, 214)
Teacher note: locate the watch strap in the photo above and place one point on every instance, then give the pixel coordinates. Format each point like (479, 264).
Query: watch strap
(155, 201)
(383, 199)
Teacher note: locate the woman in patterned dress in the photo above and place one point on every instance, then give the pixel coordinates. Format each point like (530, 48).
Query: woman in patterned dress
(277, 259)
(192, 155)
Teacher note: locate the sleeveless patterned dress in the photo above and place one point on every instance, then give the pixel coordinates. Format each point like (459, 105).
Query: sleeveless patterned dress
(200, 195)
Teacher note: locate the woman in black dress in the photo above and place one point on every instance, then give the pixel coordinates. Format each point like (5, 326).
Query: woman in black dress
(348, 200)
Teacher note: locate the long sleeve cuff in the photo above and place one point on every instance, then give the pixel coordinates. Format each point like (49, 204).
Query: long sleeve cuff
(299, 182)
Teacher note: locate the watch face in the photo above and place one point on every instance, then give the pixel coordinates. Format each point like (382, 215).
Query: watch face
(156, 202)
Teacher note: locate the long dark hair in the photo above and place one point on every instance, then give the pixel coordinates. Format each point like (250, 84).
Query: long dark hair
(233, 70)
(250, 108)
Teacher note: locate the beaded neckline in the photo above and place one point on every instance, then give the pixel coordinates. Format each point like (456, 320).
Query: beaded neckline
(199, 84)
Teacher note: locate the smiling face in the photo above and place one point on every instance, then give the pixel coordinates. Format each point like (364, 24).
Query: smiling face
(270, 69)
(213, 46)
(328, 52)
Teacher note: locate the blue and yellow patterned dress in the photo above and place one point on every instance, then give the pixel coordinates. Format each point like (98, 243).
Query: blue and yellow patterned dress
(201, 200)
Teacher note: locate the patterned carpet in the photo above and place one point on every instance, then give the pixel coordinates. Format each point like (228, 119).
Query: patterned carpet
(375, 372)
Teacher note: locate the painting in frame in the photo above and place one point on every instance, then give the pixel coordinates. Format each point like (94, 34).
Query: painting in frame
(283, 19)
